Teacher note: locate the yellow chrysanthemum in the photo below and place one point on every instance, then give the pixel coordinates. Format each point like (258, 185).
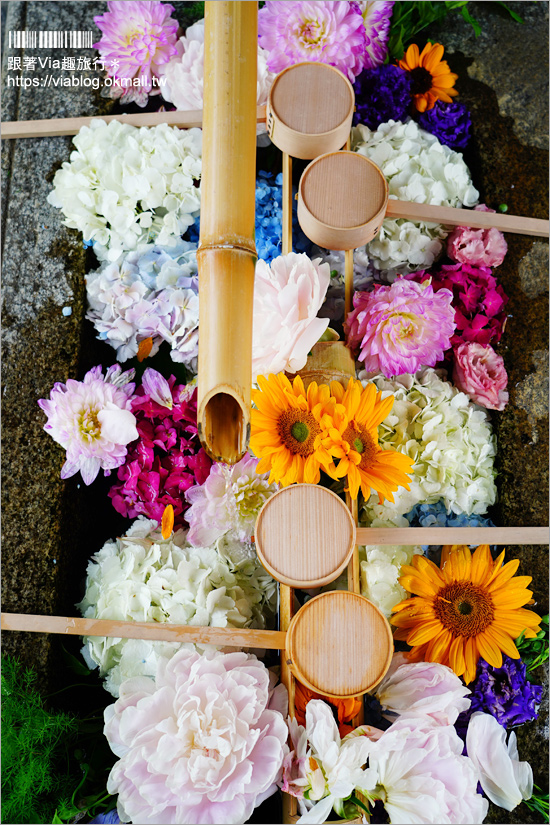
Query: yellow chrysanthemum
(353, 439)
(470, 607)
(287, 429)
(431, 76)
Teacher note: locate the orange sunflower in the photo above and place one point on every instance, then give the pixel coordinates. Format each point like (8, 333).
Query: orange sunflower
(470, 607)
(287, 429)
(353, 439)
(431, 77)
(346, 708)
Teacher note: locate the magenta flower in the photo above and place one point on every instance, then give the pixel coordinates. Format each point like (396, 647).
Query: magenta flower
(167, 459)
(400, 328)
(376, 15)
(138, 37)
(309, 30)
(93, 420)
(480, 247)
(480, 373)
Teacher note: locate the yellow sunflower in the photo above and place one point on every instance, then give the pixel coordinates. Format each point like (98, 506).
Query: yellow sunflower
(287, 429)
(470, 607)
(353, 439)
(431, 77)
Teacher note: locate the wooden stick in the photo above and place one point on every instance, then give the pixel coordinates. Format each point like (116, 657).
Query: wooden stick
(286, 245)
(452, 535)
(348, 283)
(286, 610)
(72, 125)
(354, 571)
(467, 217)
(155, 631)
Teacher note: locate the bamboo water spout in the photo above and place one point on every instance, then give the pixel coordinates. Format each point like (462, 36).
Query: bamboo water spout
(227, 254)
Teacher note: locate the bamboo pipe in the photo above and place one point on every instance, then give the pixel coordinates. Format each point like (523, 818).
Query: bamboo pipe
(226, 256)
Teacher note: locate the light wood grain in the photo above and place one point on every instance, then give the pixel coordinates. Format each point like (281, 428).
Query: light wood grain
(348, 282)
(328, 361)
(339, 644)
(310, 109)
(154, 631)
(72, 125)
(227, 255)
(304, 536)
(467, 217)
(286, 240)
(286, 604)
(452, 535)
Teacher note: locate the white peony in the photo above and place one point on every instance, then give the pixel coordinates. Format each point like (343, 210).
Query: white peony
(125, 186)
(418, 168)
(380, 571)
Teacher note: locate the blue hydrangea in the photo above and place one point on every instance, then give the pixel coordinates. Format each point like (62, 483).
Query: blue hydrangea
(435, 515)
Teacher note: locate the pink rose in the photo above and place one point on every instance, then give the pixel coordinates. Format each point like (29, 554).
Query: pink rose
(480, 247)
(480, 373)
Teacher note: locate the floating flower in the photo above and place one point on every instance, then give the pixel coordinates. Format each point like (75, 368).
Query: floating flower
(471, 607)
(480, 373)
(478, 247)
(505, 692)
(287, 429)
(450, 441)
(92, 420)
(432, 78)
(137, 39)
(381, 94)
(313, 30)
(504, 779)
(228, 502)
(376, 17)
(398, 329)
(287, 297)
(380, 568)
(168, 459)
(353, 440)
(143, 577)
(449, 122)
(198, 743)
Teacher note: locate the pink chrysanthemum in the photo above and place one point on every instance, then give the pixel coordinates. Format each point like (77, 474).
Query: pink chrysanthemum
(400, 329)
(376, 16)
(322, 32)
(138, 37)
(92, 420)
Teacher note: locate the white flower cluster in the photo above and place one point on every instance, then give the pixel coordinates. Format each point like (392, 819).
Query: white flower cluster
(380, 571)
(124, 186)
(144, 578)
(418, 168)
(151, 292)
(450, 440)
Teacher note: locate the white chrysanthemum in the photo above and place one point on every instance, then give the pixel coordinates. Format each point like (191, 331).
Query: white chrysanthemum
(450, 440)
(124, 186)
(144, 578)
(418, 168)
(380, 571)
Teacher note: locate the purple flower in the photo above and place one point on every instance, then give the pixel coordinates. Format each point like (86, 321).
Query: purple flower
(376, 16)
(313, 30)
(382, 94)
(505, 693)
(449, 122)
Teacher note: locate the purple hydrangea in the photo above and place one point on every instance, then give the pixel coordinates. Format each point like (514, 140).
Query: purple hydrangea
(449, 122)
(505, 693)
(382, 94)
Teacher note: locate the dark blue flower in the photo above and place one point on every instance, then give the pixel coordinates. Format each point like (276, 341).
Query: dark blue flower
(435, 515)
(382, 94)
(449, 122)
(108, 818)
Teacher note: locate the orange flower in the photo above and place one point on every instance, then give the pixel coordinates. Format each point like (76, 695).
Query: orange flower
(345, 708)
(470, 607)
(431, 76)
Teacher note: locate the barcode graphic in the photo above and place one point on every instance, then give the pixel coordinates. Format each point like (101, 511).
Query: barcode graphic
(50, 40)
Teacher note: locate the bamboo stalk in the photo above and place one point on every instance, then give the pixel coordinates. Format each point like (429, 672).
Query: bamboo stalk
(227, 255)
(286, 245)
(452, 535)
(467, 217)
(155, 631)
(54, 127)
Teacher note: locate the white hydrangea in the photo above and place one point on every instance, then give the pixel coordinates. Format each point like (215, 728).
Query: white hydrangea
(418, 168)
(380, 571)
(144, 578)
(450, 440)
(125, 186)
(150, 292)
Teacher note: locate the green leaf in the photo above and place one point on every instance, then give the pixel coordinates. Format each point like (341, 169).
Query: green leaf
(76, 665)
(56, 820)
(469, 19)
(512, 13)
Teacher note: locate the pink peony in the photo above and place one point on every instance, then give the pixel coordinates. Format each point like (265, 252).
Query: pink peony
(480, 247)
(198, 744)
(288, 294)
(228, 502)
(401, 327)
(323, 32)
(93, 420)
(167, 459)
(480, 373)
(137, 37)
